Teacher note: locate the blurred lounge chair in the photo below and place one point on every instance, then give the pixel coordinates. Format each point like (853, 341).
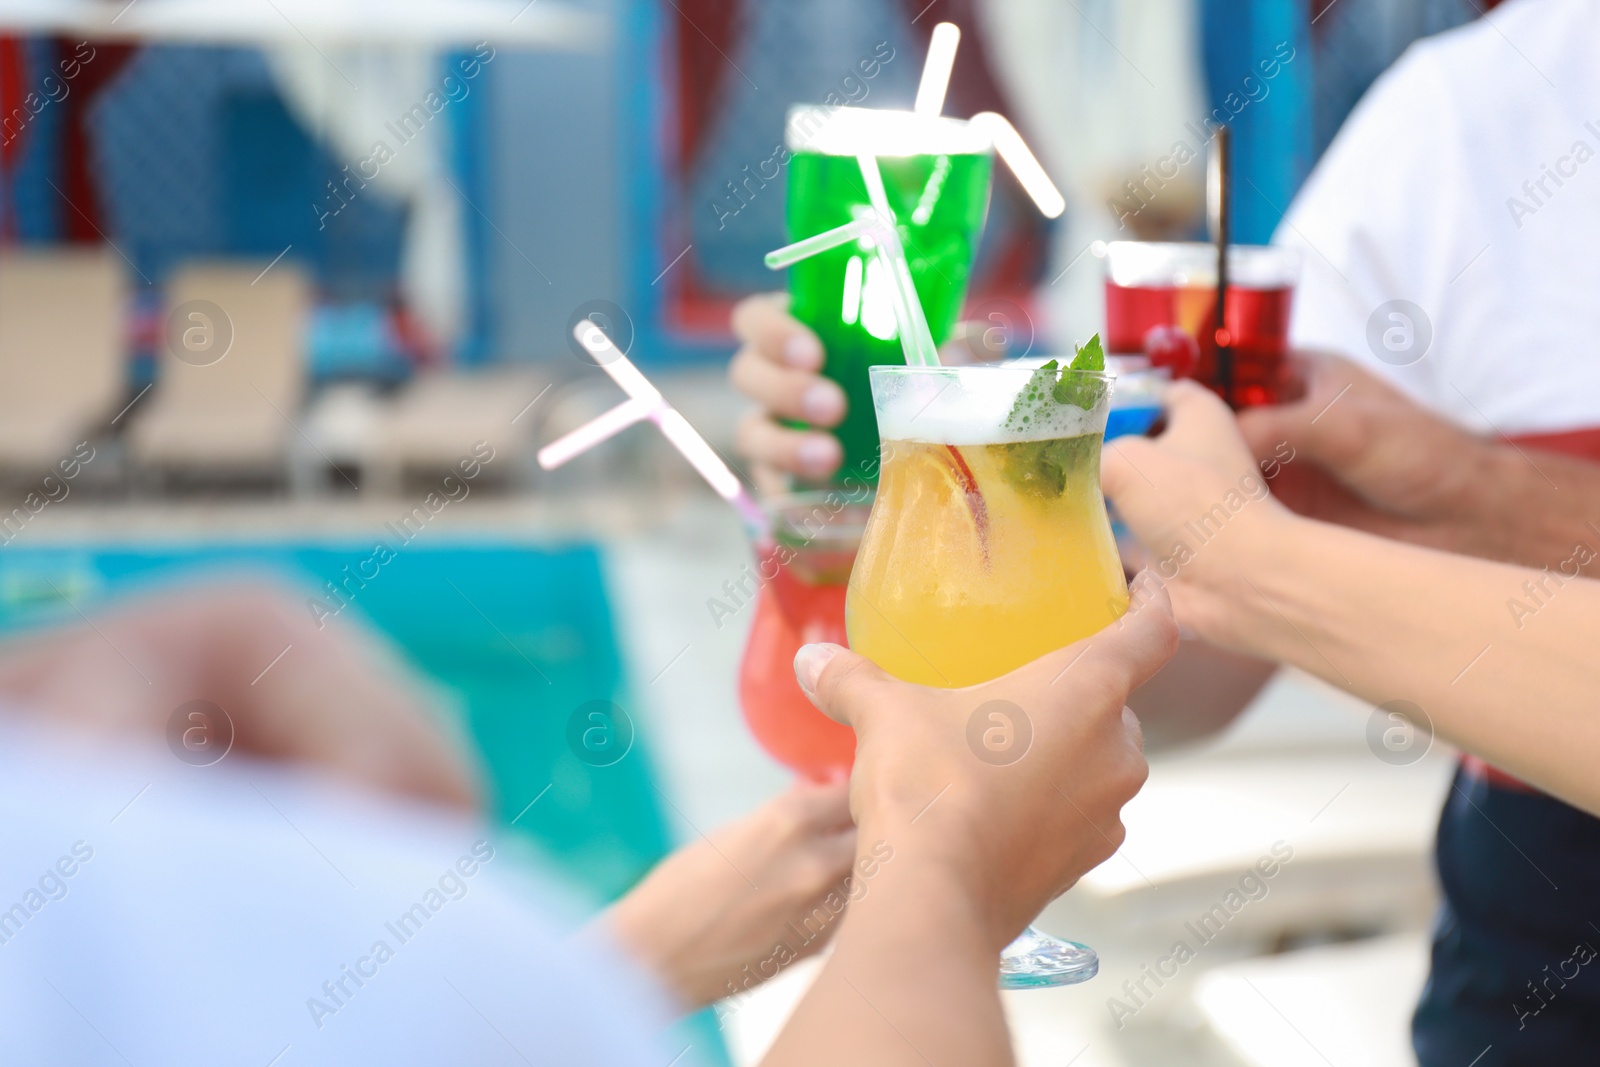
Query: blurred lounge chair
(61, 352)
(440, 417)
(231, 373)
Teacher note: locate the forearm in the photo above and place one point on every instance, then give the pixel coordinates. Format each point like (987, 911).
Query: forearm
(1502, 659)
(912, 979)
(1529, 507)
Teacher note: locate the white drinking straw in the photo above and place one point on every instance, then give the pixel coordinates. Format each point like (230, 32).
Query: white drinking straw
(646, 402)
(789, 255)
(936, 69)
(877, 194)
(1008, 143)
(915, 337)
(1014, 151)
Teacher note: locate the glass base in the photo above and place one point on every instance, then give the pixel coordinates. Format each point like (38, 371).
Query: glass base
(1035, 961)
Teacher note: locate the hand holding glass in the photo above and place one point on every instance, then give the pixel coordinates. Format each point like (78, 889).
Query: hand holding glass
(987, 547)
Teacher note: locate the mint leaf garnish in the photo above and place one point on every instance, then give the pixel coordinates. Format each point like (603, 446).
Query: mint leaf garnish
(1091, 355)
(1041, 468)
(1083, 392)
(1034, 399)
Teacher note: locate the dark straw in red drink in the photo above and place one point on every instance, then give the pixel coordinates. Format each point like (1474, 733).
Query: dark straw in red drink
(1220, 179)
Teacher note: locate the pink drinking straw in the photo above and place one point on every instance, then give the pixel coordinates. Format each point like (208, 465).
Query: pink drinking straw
(645, 402)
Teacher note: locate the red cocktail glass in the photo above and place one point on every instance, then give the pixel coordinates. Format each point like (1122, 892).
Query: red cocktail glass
(1150, 284)
(804, 573)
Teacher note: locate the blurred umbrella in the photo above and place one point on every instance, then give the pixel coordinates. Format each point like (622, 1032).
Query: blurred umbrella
(346, 68)
(437, 23)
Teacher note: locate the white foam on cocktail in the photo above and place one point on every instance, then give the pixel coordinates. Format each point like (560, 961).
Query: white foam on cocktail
(936, 69)
(850, 131)
(1194, 264)
(885, 132)
(953, 429)
(972, 406)
(645, 402)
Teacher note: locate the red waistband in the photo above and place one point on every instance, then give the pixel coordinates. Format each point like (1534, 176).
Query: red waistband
(1582, 444)
(1478, 770)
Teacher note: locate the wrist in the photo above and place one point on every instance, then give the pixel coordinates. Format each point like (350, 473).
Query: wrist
(639, 937)
(1484, 496)
(1271, 606)
(938, 866)
(1515, 513)
(1253, 550)
(934, 839)
(909, 880)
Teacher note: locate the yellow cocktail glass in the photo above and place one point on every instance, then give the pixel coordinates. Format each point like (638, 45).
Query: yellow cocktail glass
(987, 547)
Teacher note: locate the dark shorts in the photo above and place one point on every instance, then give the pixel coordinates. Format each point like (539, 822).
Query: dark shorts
(1516, 952)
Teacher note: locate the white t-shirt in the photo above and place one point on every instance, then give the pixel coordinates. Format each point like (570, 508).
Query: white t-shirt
(1467, 182)
(153, 912)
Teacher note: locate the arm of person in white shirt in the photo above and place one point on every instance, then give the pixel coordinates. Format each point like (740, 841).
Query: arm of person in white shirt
(1364, 455)
(1379, 618)
(1400, 471)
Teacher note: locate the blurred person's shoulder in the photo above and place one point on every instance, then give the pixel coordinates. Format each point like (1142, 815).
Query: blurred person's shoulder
(1519, 53)
(1497, 71)
(1415, 223)
(1534, 29)
(240, 903)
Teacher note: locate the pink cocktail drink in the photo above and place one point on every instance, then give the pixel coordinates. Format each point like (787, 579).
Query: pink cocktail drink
(805, 576)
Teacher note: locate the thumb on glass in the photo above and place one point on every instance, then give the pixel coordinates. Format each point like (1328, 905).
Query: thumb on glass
(828, 684)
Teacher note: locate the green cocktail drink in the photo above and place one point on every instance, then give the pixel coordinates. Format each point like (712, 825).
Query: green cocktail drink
(937, 172)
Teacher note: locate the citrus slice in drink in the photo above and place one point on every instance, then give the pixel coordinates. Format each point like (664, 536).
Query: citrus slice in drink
(974, 498)
(935, 476)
